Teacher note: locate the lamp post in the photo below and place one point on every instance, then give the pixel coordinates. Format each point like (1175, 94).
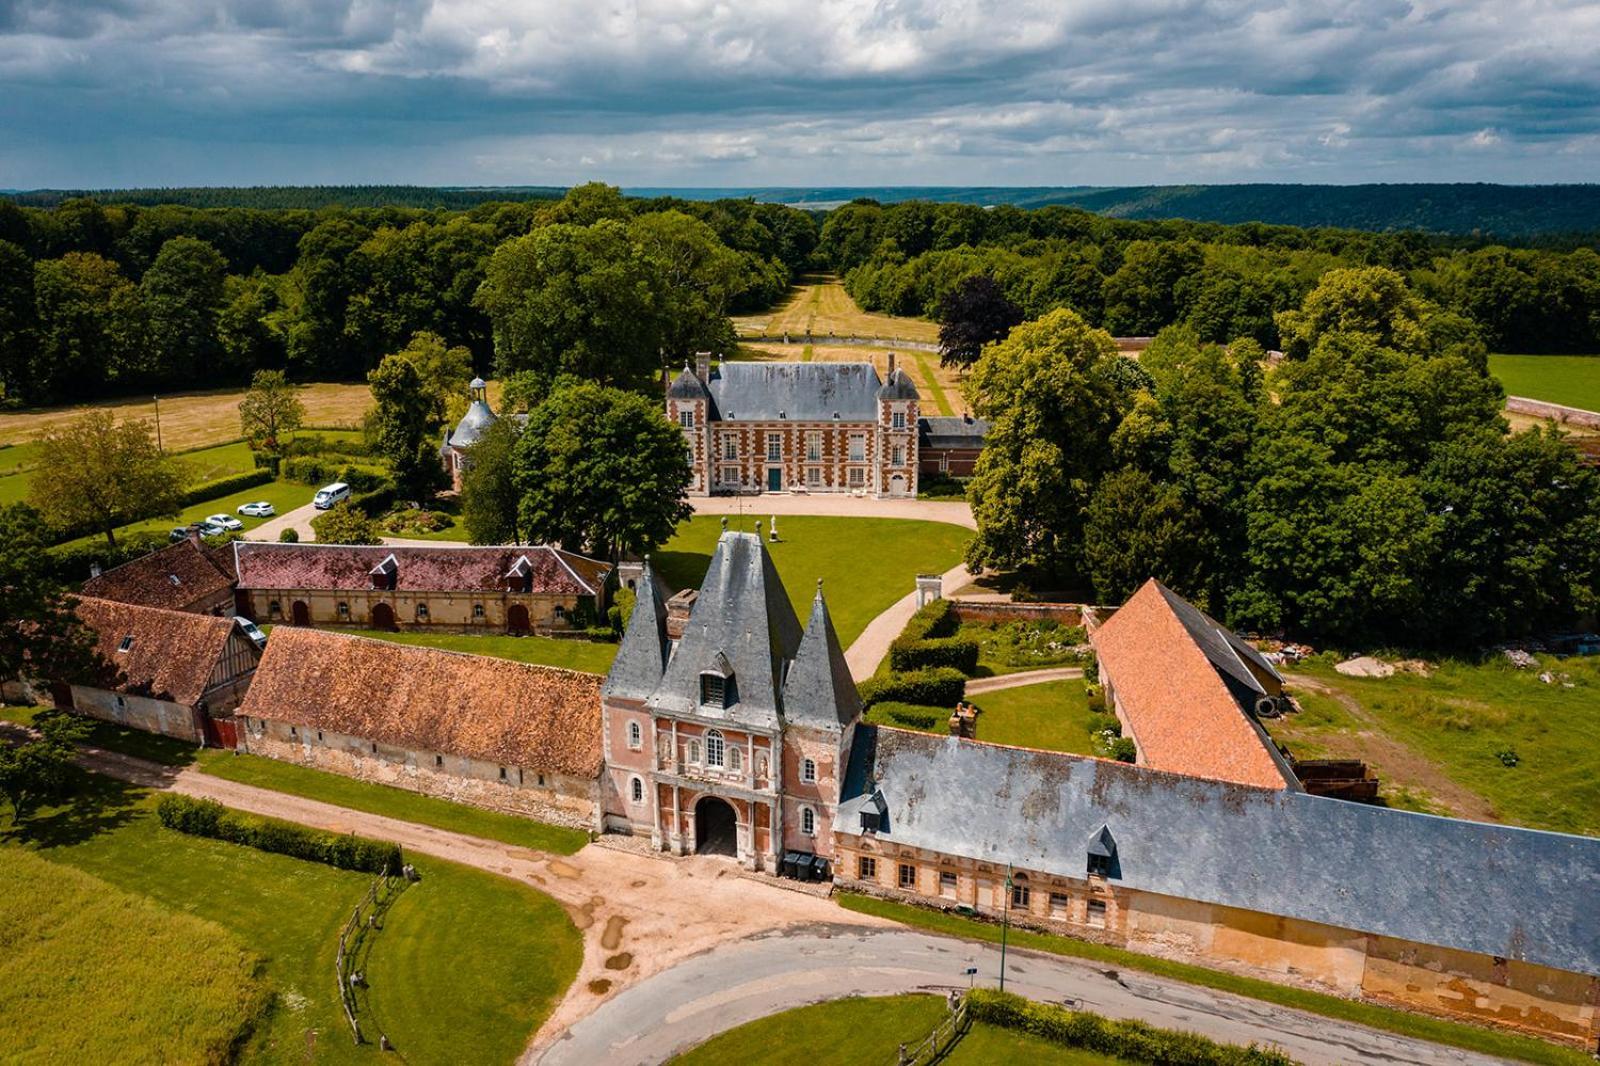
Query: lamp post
(157, 400)
(1005, 928)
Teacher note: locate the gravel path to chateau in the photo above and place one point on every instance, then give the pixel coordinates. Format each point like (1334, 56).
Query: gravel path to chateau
(955, 512)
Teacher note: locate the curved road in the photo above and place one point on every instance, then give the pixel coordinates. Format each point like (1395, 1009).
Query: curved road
(728, 986)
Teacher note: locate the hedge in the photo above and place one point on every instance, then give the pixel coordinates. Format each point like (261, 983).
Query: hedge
(207, 818)
(1130, 1041)
(377, 502)
(69, 563)
(910, 715)
(929, 640)
(314, 470)
(226, 486)
(939, 687)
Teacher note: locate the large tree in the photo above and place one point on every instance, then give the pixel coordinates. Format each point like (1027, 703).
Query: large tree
(489, 496)
(40, 768)
(599, 470)
(406, 422)
(345, 524)
(696, 276)
(96, 473)
(975, 313)
(443, 374)
(16, 324)
(39, 635)
(183, 297)
(270, 412)
(89, 332)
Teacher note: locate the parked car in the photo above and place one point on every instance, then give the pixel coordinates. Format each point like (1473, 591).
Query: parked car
(329, 495)
(226, 521)
(209, 528)
(179, 533)
(252, 631)
(259, 509)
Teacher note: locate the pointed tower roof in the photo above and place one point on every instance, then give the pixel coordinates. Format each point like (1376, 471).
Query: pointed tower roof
(819, 691)
(687, 386)
(898, 387)
(642, 656)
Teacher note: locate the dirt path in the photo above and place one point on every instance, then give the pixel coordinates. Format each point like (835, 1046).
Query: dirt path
(952, 512)
(980, 685)
(1398, 764)
(639, 912)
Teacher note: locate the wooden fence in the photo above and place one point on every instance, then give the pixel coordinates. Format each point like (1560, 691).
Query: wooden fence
(363, 921)
(936, 1044)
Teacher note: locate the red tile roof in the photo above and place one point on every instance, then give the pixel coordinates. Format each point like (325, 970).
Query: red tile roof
(171, 655)
(1173, 698)
(176, 578)
(422, 699)
(446, 568)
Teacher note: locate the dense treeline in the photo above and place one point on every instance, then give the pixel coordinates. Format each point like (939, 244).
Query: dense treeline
(107, 299)
(1223, 281)
(282, 197)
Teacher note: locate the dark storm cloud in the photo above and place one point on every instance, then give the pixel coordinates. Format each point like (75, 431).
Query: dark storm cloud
(700, 92)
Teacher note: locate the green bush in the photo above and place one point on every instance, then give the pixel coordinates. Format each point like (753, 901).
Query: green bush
(932, 620)
(910, 715)
(1091, 668)
(290, 535)
(938, 687)
(226, 486)
(929, 640)
(207, 818)
(69, 563)
(1123, 749)
(621, 609)
(1130, 1041)
(378, 502)
(1101, 722)
(323, 470)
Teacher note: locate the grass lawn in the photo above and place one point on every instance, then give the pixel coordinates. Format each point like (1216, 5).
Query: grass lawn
(849, 1032)
(140, 982)
(390, 802)
(1012, 647)
(167, 751)
(819, 305)
(841, 551)
(1455, 1034)
(1466, 715)
(1573, 380)
(586, 655)
(283, 495)
(1053, 716)
(485, 987)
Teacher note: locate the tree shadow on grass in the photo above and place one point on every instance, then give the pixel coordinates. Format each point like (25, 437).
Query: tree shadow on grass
(681, 570)
(94, 804)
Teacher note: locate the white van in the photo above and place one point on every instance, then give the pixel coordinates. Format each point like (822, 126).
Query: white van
(329, 495)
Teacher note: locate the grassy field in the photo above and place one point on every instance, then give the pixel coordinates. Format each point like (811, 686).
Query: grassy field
(1573, 380)
(283, 495)
(838, 550)
(850, 1032)
(1053, 716)
(484, 994)
(546, 651)
(819, 305)
(135, 981)
(1458, 724)
(1454, 1034)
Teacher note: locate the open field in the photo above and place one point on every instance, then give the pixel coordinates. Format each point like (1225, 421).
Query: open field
(940, 386)
(1443, 743)
(445, 987)
(818, 305)
(135, 981)
(866, 563)
(1573, 380)
(585, 655)
(1454, 1034)
(848, 1032)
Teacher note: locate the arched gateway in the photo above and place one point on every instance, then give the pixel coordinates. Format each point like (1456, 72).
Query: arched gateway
(716, 830)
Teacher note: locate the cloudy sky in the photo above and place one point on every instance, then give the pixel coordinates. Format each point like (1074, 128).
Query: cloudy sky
(98, 93)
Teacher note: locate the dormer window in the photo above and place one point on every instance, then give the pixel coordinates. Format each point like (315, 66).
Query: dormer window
(1103, 854)
(175, 579)
(384, 575)
(520, 577)
(713, 690)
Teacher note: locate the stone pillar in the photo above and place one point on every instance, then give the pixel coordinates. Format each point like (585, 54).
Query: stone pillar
(930, 587)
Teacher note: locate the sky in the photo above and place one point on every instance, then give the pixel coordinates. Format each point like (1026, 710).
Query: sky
(108, 93)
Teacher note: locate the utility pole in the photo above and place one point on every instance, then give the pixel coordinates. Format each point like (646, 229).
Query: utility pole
(1005, 928)
(157, 400)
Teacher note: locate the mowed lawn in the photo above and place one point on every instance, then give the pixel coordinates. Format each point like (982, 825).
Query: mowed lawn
(820, 306)
(284, 496)
(1053, 716)
(466, 966)
(90, 973)
(1573, 380)
(1471, 718)
(856, 1031)
(866, 563)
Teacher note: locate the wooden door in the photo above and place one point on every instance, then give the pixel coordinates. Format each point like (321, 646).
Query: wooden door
(383, 617)
(774, 479)
(300, 613)
(517, 619)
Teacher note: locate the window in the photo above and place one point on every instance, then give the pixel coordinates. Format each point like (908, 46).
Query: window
(274, 609)
(686, 418)
(736, 758)
(293, 732)
(947, 884)
(908, 875)
(541, 780)
(858, 476)
(1099, 865)
(561, 612)
(477, 610)
(374, 749)
(730, 449)
(714, 749)
(694, 751)
(127, 642)
(636, 789)
(502, 773)
(729, 475)
(899, 456)
(635, 736)
(813, 477)
(808, 821)
(858, 447)
(774, 447)
(1097, 913)
(813, 447)
(1059, 902)
(344, 609)
(713, 690)
(1019, 892)
(808, 771)
(898, 420)
(867, 868)
(319, 734)
(422, 612)
(438, 760)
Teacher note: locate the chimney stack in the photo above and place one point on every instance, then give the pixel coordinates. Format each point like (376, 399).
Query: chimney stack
(94, 569)
(702, 366)
(964, 721)
(891, 366)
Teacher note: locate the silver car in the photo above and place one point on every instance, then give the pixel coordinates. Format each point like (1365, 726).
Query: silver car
(224, 521)
(259, 509)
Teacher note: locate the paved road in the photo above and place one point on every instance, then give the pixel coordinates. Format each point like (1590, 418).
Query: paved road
(299, 519)
(716, 991)
(1026, 677)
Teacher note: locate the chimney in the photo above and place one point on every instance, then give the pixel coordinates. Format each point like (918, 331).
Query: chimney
(94, 570)
(891, 366)
(964, 721)
(702, 366)
(678, 610)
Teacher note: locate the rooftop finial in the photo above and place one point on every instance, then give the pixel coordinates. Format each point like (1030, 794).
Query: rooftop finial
(724, 523)
(819, 588)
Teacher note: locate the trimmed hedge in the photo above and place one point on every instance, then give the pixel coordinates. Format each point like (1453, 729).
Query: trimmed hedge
(315, 470)
(207, 818)
(1131, 1041)
(377, 502)
(226, 486)
(929, 640)
(69, 563)
(910, 715)
(939, 687)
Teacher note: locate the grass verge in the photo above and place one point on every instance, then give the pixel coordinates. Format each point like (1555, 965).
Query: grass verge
(1573, 380)
(1421, 1027)
(584, 655)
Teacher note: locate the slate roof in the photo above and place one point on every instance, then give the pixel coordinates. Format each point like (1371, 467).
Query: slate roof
(1490, 889)
(423, 699)
(795, 392)
(642, 654)
(442, 568)
(687, 386)
(898, 387)
(473, 424)
(818, 690)
(172, 654)
(942, 431)
(1181, 683)
(175, 578)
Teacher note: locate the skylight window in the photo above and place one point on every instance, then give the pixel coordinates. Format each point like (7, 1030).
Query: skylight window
(127, 642)
(175, 579)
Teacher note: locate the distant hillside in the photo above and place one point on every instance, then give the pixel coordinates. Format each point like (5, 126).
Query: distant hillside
(1509, 211)
(309, 197)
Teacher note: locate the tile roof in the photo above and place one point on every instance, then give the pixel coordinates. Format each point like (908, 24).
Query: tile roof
(172, 653)
(796, 392)
(423, 699)
(176, 578)
(1178, 678)
(946, 431)
(445, 568)
(1491, 889)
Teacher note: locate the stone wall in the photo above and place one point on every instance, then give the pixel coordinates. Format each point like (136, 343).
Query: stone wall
(1067, 614)
(138, 712)
(449, 611)
(1571, 416)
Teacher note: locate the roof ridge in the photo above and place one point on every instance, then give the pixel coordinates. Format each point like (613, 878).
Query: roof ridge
(429, 650)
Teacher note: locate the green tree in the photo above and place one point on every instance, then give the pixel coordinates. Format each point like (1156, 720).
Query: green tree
(489, 496)
(1153, 287)
(442, 373)
(17, 320)
(89, 332)
(696, 276)
(270, 412)
(599, 470)
(1051, 394)
(182, 293)
(1137, 528)
(39, 635)
(406, 423)
(345, 524)
(95, 473)
(41, 769)
(249, 332)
